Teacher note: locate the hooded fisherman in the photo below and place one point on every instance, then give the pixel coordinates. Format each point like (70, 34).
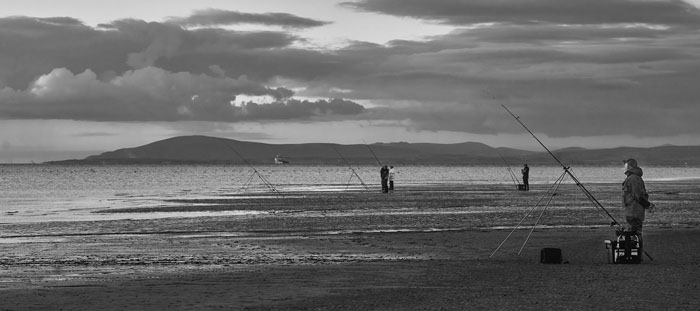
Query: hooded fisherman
(635, 197)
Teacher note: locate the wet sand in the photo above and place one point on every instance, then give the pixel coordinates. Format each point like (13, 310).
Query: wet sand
(416, 249)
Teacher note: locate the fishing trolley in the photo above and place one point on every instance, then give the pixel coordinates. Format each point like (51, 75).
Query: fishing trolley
(626, 249)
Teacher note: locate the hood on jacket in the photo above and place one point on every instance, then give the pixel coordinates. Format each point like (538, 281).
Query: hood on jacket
(632, 168)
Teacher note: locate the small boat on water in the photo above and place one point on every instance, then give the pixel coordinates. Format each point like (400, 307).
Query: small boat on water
(280, 160)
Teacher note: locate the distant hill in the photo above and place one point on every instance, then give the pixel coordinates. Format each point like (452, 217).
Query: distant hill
(204, 149)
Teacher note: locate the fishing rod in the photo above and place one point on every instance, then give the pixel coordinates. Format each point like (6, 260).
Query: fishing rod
(354, 173)
(265, 181)
(510, 170)
(566, 169)
(373, 154)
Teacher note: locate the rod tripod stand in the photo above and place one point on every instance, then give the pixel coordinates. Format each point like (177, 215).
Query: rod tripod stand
(353, 173)
(549, 195)
(247, 184)
(262, 178)
(509, 171)
(512, 176)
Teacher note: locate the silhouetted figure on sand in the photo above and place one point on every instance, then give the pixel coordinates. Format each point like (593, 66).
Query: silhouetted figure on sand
(526, 177)
(384, 173)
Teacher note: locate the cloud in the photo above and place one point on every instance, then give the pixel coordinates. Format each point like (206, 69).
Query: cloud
(584, 74)
(466, 12)
(35, 46)
(94, 134)
(542, 34)
(66, 21)
(154, 94)
(214, 17)
(301, 109)
(165, 42)
(565, 67)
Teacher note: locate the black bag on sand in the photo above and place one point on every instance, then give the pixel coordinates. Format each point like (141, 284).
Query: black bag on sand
(550, 255)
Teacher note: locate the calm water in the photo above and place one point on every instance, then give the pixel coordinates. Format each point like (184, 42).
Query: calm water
(52, 192)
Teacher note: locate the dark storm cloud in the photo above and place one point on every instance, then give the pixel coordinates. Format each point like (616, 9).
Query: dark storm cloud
(574, 68)
(30, 47)
(567, 69)
(153, 94)
(58, 68)
(547, 33)
(213, 17)
(160, 42)
(463, 12)
(574, 90)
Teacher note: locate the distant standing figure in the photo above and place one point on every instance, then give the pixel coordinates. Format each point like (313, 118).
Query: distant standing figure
(391, 178)
(384, 173)
(526, 177)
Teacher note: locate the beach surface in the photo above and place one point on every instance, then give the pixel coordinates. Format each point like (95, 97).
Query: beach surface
(418, 248)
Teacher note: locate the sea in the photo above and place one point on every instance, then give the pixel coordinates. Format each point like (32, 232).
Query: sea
(46, 192)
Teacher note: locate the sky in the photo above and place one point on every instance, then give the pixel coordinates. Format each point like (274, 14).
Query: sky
(82, 77)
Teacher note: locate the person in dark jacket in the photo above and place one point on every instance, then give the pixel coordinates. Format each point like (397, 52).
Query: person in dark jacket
(526, 177)
(635, 200)
(384, 173)
(634, 197)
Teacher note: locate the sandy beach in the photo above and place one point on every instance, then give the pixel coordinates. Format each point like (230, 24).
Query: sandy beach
(415, 249)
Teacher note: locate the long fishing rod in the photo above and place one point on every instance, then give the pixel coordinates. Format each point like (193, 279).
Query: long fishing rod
(566, 169)
(351, 168)
(265, 181)
(510, 171)
(373, 154)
